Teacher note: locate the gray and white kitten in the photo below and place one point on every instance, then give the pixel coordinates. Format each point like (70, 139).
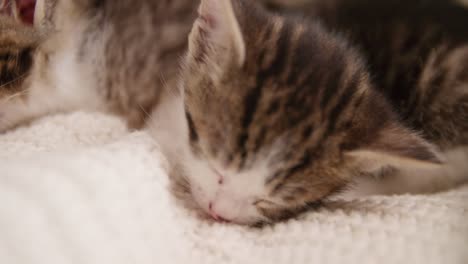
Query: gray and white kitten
(277, 114)
(113, 56)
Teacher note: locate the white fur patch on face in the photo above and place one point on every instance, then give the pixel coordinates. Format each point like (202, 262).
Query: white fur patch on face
(226, 194)
(222, 193)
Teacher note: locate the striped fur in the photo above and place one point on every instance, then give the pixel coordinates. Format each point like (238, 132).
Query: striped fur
(417, 52)
(298, 121)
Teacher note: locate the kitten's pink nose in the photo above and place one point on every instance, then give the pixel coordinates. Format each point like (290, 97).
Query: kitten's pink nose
(214, 215)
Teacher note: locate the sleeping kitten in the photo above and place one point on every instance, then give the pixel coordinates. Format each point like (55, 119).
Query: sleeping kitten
(276, 114)
(113, 56)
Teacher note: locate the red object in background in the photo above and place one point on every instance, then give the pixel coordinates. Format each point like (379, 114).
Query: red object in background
(5, 7)
(26, 10)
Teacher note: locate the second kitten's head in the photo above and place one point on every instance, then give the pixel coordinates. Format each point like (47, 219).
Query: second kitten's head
(279, 114)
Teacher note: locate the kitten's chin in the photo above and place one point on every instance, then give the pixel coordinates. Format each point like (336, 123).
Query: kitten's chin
(219, 209)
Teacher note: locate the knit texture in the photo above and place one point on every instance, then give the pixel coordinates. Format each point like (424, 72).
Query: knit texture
(80, 188)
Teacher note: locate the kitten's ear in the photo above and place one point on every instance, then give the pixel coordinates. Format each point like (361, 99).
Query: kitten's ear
(397, 148)
(217, 30)
(43, 14)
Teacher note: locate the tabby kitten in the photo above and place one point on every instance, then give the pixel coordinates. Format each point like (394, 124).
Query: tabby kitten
(113, 56)
(276, 114)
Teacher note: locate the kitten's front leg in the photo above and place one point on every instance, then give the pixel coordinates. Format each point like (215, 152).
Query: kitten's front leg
(13, 112)
(25, 106)
(452, 173)
(22, 107)
(41, 99)
(66, 70)
(58, 82)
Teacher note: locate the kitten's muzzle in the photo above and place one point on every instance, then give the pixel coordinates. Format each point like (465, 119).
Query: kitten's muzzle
(214, 215)
(211, 210)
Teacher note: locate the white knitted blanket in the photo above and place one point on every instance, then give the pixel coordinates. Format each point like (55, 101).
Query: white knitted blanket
(80, 188)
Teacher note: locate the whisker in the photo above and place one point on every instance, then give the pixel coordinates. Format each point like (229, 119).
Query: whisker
(12, 81)
(15, 95)
(147, 121)
(172, 90)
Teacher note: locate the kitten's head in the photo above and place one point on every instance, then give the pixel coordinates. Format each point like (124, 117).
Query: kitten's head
(279, 114)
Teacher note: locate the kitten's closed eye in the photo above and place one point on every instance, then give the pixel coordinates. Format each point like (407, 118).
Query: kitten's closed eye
(263, 203)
